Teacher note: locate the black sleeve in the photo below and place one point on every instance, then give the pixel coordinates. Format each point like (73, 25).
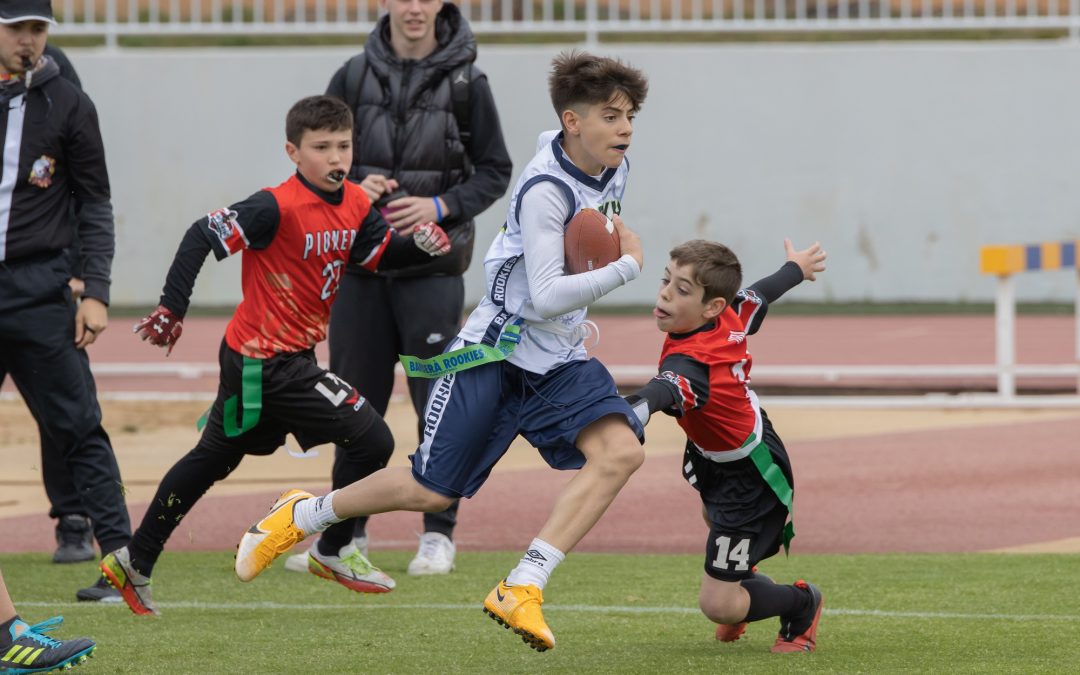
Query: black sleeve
(779, 282)
(489, 157)
(251, 223)
(187, 262)
(89, 178)
(379, 247)
(681, 385)
(96, 238)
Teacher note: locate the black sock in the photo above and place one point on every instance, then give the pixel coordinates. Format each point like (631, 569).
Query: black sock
(328, 547)
(5, 631)
(769, 599)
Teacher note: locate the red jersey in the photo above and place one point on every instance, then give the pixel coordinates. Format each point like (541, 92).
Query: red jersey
(295, 246)
(710, 369)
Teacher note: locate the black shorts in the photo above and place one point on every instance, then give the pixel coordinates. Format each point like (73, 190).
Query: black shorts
(746, 519)
(261, 400)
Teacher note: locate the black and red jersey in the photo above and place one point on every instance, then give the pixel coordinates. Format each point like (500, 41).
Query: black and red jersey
(710, 371)
(295, 245)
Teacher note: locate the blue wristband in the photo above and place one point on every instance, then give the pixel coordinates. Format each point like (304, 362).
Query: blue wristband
(438, 210)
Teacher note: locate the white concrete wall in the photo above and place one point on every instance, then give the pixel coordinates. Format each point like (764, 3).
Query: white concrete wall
(901, 158)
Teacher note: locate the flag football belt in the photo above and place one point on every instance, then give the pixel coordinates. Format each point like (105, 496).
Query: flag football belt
(501, 337)
(774, 477)
(250, 401)
(770, 472)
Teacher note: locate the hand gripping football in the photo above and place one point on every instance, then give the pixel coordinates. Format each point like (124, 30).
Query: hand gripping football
(590, 242)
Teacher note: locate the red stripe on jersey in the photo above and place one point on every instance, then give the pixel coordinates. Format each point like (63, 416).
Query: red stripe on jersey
(749, 305)
(371, 263)
(686, 392)
(225, 226)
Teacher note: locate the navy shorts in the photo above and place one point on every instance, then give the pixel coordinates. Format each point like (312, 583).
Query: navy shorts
(261, 400)
(746, 519)
(474, 415)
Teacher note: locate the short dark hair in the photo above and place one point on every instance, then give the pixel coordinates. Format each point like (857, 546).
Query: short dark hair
(716, 268)
(316, 112)
(579, 78)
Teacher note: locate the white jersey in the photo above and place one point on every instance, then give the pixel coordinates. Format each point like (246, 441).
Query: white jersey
(525, 265)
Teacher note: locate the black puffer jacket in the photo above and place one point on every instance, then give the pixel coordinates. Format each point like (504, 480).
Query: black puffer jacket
(406, 129)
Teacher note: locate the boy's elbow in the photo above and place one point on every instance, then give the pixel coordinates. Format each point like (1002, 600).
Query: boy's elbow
(547, 312)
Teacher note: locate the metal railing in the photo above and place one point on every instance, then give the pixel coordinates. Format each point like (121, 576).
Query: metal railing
(588, 18)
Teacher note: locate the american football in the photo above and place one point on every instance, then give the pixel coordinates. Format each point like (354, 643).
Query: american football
(590, 242)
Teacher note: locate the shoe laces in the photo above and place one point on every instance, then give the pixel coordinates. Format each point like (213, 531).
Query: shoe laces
(431, 547)
(356, 562)
(36, 631)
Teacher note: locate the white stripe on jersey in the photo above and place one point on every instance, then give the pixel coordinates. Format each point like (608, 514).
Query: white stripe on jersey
(12, 149)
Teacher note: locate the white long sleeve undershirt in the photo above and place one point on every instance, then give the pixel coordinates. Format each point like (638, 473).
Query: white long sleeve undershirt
(542, 216)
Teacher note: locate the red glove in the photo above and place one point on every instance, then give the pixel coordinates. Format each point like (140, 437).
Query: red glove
(162, 328)
(431, 238)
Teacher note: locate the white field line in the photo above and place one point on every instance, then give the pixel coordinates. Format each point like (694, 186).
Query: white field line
(969, 401)
(584, 609)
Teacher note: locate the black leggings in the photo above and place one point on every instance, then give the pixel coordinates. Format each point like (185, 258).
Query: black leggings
(376, 318)
(189, 479)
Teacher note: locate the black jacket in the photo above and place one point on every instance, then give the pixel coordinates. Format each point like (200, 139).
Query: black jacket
(54, 129)
(405, 129)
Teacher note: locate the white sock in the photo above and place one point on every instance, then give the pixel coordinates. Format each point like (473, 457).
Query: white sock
(315, 515)
(536, 566)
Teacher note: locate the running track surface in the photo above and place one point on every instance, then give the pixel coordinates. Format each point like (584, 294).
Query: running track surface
(952, 489)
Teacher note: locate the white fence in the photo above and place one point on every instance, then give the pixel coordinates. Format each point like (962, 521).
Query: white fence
(115, 18)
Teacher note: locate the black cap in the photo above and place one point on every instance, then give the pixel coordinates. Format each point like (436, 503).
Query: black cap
(14, 11)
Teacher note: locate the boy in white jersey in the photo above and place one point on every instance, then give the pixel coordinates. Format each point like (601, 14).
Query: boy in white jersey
(519, 365)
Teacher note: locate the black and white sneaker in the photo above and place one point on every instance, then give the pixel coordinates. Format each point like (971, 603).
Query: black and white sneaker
(101, 591)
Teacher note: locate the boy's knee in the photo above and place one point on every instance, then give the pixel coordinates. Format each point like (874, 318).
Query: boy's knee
(611, 442)
(723, 602)
(719, 611)
(375, 444)
(427, 500)
(628, 458)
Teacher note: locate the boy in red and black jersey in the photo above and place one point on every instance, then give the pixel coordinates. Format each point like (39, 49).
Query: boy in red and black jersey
(733, 456)
(296, 239)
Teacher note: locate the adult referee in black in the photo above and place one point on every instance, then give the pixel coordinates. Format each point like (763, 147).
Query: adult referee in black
(52, 154)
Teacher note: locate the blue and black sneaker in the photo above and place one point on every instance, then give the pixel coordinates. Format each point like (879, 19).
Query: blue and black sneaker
(30, 651)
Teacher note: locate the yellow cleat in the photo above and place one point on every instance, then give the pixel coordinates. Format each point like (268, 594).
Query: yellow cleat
(518, 608)
(275, 534)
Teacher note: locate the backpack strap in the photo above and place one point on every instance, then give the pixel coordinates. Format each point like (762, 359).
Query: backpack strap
(355, 70)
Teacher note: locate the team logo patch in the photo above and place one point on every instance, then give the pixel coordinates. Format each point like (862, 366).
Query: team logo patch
(736, 336)
(688, 399)
(42, 171)
(749, 295)
(225, 225)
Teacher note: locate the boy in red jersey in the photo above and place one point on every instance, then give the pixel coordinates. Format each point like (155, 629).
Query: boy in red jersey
(733, 457)
(296, 239)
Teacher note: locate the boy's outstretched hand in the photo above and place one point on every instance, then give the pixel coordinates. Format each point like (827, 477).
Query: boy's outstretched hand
(810, 260)
(432, 239)
(161, 328)
(629, 242)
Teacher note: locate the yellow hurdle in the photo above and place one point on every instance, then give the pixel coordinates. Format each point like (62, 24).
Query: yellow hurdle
(1005, 260)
